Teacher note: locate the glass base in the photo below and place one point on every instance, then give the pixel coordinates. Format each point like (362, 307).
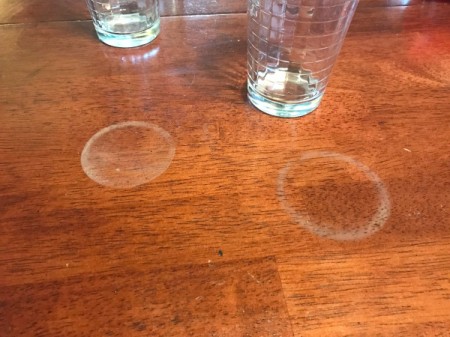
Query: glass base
(280, 109)
(129, 40)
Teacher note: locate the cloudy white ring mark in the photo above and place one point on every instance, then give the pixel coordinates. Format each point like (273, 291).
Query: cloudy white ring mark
(136, 175)
(375, 223)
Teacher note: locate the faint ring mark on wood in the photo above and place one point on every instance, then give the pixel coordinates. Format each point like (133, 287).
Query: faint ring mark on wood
(358, 229)
(127, 154)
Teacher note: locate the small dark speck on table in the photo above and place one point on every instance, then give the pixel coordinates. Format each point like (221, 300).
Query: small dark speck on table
(139, 326)
(220, 252)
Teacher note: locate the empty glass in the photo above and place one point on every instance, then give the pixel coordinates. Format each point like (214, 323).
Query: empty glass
(292, 47)
(125, 23)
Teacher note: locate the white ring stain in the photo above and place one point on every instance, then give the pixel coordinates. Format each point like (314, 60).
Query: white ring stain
(127, 154)
(376, 222)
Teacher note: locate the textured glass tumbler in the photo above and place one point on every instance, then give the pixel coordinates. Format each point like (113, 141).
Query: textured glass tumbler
(125, 23)
(292, 47)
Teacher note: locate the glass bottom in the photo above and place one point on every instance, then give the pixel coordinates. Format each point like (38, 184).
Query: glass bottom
(280, 109)
(129, 40)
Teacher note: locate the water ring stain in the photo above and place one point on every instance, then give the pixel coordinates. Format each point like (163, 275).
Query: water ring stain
(334, 196)
(127, 154)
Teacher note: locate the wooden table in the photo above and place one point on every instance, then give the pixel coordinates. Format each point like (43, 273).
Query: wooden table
(141, 194)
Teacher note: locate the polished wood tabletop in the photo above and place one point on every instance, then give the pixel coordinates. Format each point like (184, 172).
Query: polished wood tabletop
(142, 195)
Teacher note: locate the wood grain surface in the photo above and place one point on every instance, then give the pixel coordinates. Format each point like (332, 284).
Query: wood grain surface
(28, 11)
(134, 181)
(238, 298)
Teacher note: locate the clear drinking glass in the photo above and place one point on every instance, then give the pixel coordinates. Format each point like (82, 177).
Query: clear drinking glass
(292, 47)
(125, 23)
